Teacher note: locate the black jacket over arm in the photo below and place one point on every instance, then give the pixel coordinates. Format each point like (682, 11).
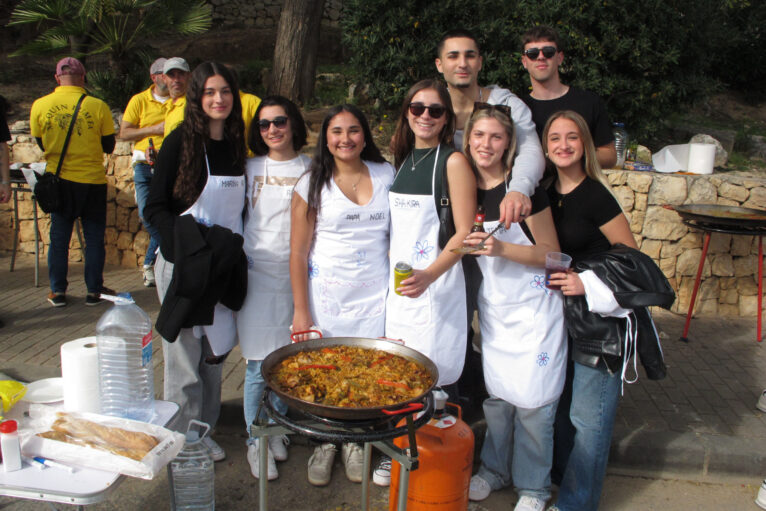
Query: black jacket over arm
(210, 267)
(637, 283)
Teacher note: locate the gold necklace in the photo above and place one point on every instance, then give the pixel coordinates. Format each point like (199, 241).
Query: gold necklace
(415, 163)
(353, 185)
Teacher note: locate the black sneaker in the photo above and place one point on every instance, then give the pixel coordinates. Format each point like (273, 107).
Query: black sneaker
(57, 299)
(95, 298)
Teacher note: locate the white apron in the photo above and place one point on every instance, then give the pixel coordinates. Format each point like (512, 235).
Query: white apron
(263, 322)
(523, 338)
(348, 262)
(221, 203)
(435, 322)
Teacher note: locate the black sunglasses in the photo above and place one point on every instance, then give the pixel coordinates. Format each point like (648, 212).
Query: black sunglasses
(548, 52)
(278, 122)
(435, 111)
(503, 109)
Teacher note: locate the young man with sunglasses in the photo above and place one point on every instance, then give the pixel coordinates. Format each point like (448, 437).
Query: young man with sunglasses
(541, 57)
(458, 59)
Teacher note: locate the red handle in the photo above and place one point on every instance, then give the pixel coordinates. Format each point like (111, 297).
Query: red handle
(412, 407)
(292, 335)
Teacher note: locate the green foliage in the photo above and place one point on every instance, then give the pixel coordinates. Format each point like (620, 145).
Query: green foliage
(645, 57)
(250, 77)
(116, 90)
(120, 29)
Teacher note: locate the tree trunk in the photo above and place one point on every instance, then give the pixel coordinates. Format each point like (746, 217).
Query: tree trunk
(295, 51)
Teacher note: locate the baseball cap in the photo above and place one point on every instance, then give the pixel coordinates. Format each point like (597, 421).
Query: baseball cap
(158, 66)
(175, 63)
(74, 67)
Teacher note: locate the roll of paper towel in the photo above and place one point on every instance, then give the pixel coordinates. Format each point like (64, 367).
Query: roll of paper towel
(79, 371)
(701, 158)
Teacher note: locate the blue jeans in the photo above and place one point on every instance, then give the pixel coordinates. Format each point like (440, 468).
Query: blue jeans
(595, 394)
(518, 447)
(88, 202)
(142, 179)
(254, 386)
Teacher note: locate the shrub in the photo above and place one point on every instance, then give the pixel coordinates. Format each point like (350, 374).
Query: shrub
(643, 57)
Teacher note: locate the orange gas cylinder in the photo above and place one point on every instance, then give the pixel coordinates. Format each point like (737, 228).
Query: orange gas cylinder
(445, 454)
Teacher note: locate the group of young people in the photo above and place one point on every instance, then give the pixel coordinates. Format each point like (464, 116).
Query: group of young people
(320, 238)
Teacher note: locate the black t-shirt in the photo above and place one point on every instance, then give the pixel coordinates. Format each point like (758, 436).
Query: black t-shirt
(491, 200)
(162, 207)
(5, 133)
(585, 103)
(579, 214)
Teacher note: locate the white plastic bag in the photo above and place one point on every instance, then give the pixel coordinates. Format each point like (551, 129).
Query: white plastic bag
(169, 445)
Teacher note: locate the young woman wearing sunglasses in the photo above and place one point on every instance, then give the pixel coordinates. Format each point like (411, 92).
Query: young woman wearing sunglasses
(428, 309)
(522, 324)
(339, 249)
(263, 324)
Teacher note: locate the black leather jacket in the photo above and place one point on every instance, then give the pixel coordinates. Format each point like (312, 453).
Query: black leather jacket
(637, 283)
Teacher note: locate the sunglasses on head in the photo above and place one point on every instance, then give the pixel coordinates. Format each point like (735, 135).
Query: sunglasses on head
(278, 122)
(503, 109)
(435, 111)
(548, 52)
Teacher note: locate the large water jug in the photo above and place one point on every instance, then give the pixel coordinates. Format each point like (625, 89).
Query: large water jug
(620, 143)
(126, 376)
(192, 474)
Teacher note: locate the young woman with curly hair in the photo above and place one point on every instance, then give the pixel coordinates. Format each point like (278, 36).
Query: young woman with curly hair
(200, 171)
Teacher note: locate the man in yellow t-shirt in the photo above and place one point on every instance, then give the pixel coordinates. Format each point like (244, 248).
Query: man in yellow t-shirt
(144, 120)
(83, 180)
(176, 77)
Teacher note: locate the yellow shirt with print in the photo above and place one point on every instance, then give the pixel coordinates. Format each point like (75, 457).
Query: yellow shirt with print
(174, 113)
(49, 120)
(144, 110)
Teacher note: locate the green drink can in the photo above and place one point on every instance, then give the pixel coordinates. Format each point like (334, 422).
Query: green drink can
(402, 271)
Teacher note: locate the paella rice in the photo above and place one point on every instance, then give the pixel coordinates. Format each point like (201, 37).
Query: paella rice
(351, 376)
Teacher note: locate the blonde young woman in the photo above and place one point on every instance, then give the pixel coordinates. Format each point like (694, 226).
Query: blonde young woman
(588, 221)
(522, 323)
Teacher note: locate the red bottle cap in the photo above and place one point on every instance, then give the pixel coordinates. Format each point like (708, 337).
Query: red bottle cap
(8, 426)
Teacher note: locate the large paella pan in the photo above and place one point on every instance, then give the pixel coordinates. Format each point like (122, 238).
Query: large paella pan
(274, 362)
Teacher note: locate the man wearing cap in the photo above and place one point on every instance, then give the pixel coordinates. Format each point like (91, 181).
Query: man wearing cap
(83, 180)
(176, 77)
(541, 56)
(144, 120)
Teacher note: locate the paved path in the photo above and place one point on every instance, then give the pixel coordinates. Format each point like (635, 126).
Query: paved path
(699, 422)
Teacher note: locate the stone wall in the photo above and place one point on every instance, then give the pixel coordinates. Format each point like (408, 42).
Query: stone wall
(264, 13)
(126, 241)
(730, 275)
(729, 279)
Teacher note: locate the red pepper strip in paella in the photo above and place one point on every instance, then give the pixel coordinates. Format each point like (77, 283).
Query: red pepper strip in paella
(381, 360)
(394, 384)
(317, 366)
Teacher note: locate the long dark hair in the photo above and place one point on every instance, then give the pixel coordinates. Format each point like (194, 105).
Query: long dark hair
(404, 140)
(195, 131)
(322, 164)
(297, 125)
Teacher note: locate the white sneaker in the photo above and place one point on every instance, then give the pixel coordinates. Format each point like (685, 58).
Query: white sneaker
(353, 459)
(252, 458)
(382, 473)
(479, 489)
(320, 464)
(216, 451)
(761, 404)
(278, 446)
(149, 275)
(527, 503)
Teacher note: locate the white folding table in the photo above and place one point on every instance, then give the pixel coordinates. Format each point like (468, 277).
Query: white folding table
(82, 487)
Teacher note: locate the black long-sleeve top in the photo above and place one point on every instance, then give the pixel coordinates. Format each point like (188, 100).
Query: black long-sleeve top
(162, 208)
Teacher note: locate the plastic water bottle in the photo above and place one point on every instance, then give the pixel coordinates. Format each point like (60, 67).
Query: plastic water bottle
(620, 143)
(192, 474)
(126, 375)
